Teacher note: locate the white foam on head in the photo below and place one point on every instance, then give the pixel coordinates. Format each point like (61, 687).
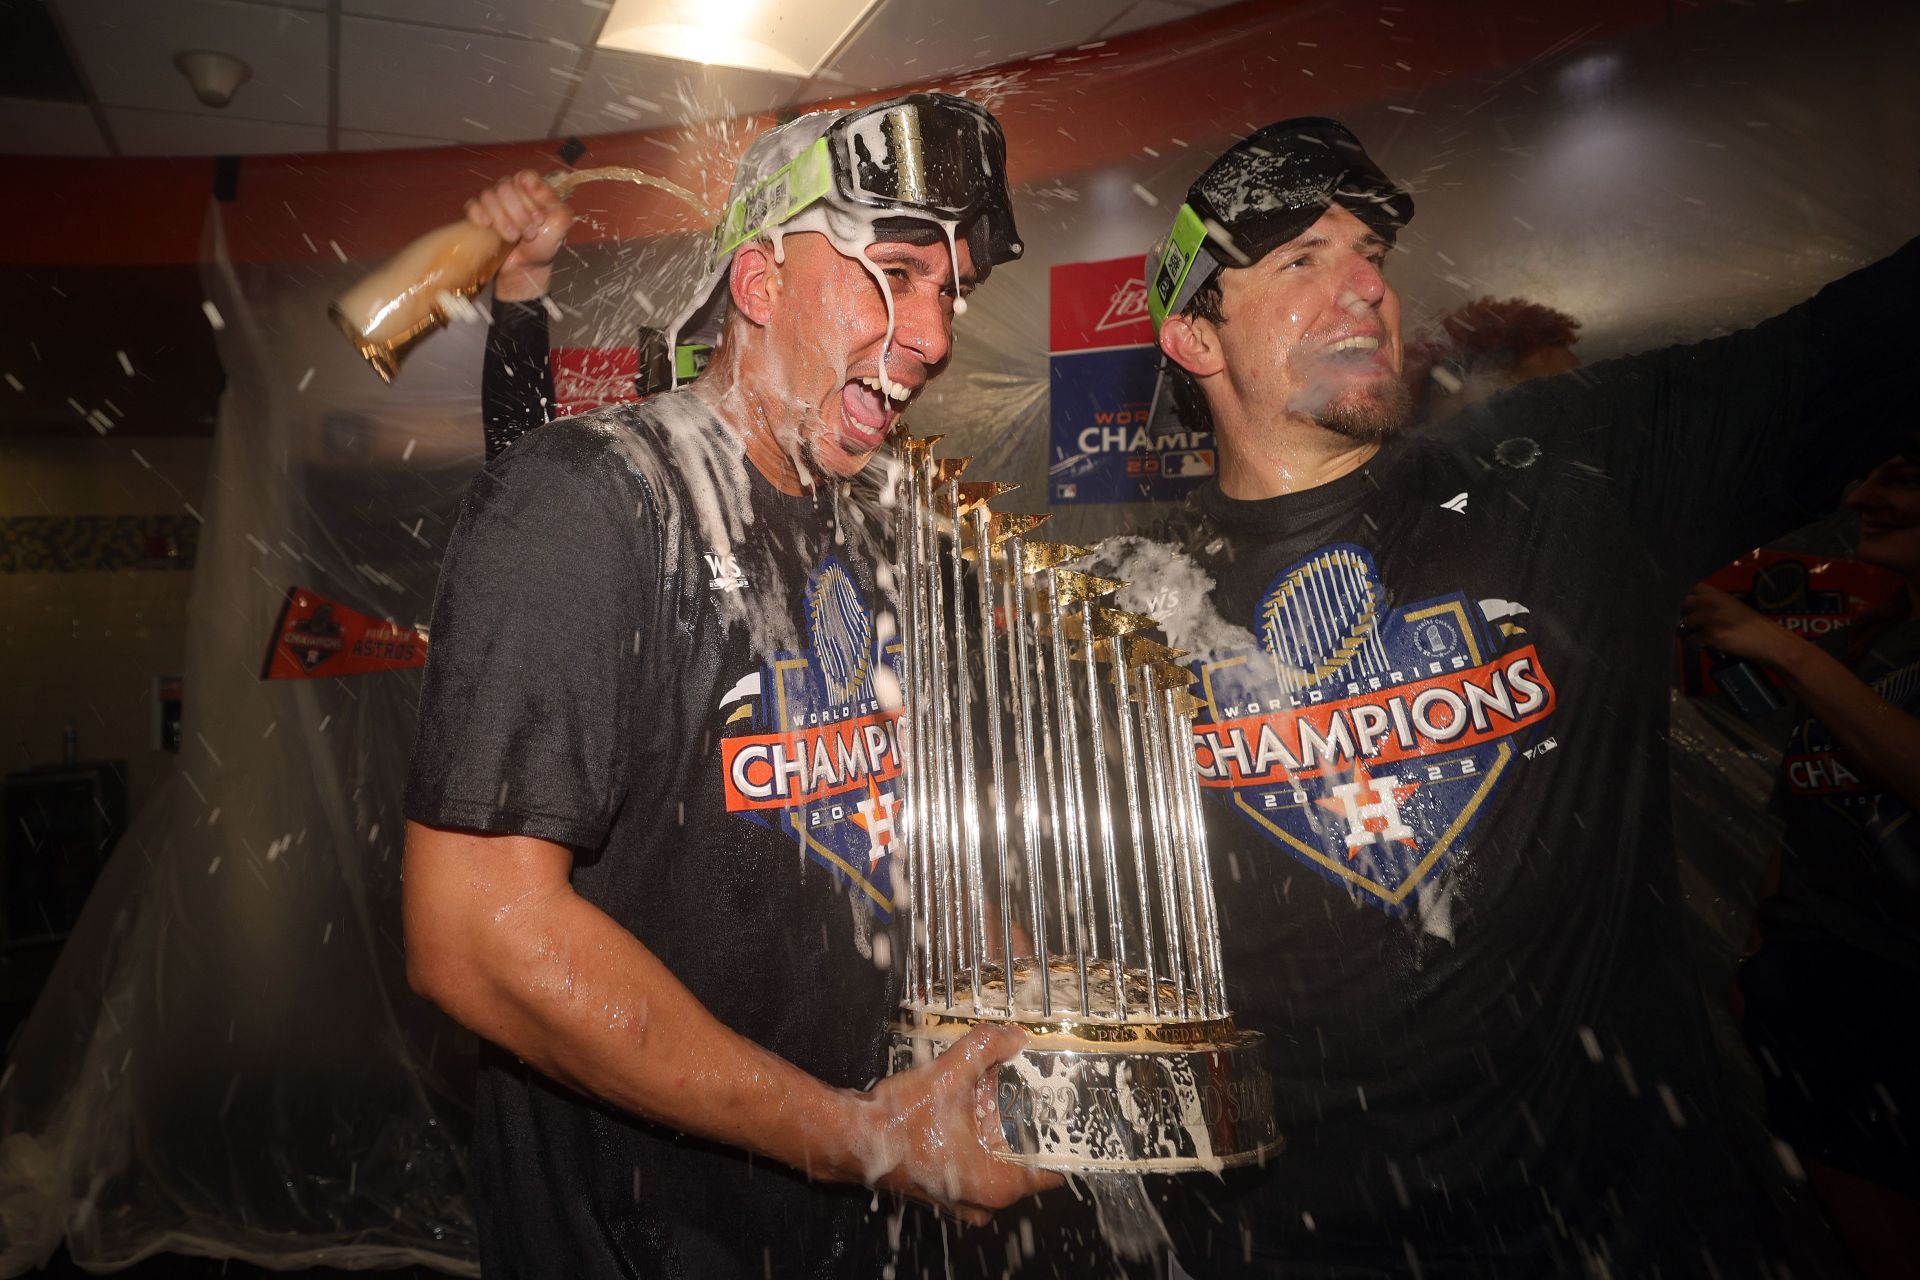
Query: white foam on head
(886, 344)
(953, 259)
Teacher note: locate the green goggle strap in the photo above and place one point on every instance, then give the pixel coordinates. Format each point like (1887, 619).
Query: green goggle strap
(1176, 264)
(781, 195)
(689, 360)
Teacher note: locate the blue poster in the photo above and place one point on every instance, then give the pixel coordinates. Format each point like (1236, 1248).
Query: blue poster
(1103, 447)
(1104, 362)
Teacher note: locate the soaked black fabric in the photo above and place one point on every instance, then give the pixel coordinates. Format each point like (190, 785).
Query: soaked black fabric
(1464, 931)
(597, 662)
(516, 377)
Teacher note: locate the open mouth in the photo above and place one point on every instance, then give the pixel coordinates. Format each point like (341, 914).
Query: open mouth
(1356, 352)
(872, 404)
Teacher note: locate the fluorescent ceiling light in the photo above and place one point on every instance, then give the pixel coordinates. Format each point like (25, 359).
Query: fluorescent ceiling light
(790, 37)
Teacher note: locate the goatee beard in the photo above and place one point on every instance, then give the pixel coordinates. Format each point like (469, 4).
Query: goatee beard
(1371, 418)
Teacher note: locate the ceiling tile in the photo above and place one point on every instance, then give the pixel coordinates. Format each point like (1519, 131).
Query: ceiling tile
(126, 51)
(179, 133)
(910, 41)
(366, 140)
(575, 21)
(624, 91)
(482, 88)
(48, 129)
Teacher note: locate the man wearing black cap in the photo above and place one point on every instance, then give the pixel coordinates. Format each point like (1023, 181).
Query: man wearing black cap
(1435, 756)
(650, 807)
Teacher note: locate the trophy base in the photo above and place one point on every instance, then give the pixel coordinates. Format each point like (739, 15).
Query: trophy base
(1160, 1100)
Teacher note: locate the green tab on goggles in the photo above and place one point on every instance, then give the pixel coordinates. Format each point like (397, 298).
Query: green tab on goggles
(1168, 292)
(690, 361)
(784, 194)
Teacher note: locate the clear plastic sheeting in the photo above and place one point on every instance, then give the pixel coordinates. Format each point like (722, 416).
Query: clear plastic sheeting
(228, 1060)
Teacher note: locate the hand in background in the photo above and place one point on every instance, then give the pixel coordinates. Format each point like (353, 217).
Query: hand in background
(1713, 618)
(524, 211)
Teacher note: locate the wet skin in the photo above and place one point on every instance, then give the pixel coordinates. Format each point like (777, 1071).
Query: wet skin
(817, 327)
(1291, 313)
(1303, 373)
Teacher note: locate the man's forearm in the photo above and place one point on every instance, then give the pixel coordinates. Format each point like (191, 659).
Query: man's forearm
(555, 981)
(1866, 727)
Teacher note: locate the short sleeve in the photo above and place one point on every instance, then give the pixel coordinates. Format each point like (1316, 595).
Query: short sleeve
(532, 647)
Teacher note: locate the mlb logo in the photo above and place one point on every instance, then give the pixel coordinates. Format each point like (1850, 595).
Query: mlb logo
(1189, 463)
(1066, 492)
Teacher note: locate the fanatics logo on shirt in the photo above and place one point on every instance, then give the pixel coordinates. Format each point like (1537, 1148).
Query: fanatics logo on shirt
(1366, 740)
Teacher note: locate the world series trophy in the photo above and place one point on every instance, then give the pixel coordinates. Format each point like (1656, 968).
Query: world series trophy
(1056, 872)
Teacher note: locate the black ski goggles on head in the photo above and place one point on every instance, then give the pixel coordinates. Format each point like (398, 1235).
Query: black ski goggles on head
(1266, 190)
(925, 155)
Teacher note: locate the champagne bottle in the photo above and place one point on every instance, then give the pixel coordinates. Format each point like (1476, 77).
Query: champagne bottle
(424, 285)
(417, 291)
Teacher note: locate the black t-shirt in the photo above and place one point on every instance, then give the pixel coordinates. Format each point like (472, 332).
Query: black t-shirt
(1438, 807)
(1850, 856)
(644, 651)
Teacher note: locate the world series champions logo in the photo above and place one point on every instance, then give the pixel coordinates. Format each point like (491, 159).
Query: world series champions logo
(1362, 739)
(810, 751)
(1817, 768)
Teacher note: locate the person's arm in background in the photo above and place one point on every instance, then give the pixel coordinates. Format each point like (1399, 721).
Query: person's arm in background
(516, 382)
(1718, 447)
(1878, 738)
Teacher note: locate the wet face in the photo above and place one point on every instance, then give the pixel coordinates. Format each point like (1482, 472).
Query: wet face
(1315, 327)
(829, 331)
(1888, 506)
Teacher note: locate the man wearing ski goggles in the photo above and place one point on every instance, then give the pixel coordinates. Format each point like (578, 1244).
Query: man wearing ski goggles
(679, 963)
(892, 172)
(1438, 755)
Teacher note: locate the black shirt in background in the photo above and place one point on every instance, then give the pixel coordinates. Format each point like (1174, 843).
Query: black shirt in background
(516, 377)
(1850, 855)
(1470, 951)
